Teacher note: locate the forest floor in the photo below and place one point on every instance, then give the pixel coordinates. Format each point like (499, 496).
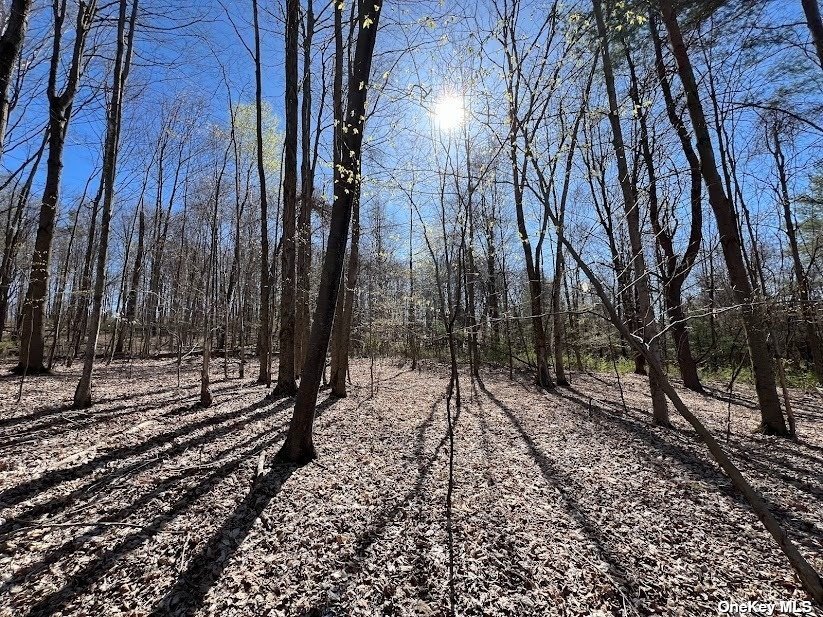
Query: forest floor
(565, 503)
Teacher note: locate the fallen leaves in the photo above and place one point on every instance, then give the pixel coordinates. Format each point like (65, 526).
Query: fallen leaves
(560, 507)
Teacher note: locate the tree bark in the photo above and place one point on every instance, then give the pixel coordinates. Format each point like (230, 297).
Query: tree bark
(812, 11)
(727, 224)
(264, 333)
(646, 314)
(122, 63)
(32, 345)
(304, 247)
(341, 333)
(10, 45)
(286, 383)
(299, 445)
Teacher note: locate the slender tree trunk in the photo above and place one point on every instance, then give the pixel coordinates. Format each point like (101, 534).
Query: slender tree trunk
(752, 311)
(122, 62)
(660, 410)
(299, 444)
(304, 247)
(813, 339)
(264, 335)
(286, 383)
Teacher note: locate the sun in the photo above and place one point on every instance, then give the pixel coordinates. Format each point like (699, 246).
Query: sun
(448, 112)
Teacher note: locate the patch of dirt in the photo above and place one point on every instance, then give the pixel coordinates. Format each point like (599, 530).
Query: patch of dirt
(565, 503)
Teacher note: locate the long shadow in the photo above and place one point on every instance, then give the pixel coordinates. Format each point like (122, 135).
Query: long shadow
(52, 602)
(700, 468)
(734, 399)
(87, 417)
(107, 559)
(123, 513)
(566, 486)
(773, 465)
(28, 490)
(187, 594)
(381, 521)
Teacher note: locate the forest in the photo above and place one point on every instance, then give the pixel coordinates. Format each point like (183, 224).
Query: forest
(429, 308)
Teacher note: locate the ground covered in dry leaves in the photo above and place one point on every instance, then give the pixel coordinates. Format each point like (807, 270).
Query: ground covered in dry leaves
(565, 503)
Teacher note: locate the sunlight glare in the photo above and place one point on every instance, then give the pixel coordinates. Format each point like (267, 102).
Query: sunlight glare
(449, 112)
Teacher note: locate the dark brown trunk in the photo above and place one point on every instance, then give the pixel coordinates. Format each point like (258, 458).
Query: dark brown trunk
(727, 225)
(299, 445)
(645, 310)
(812, 11)
(60, 109)
(264, 333)
(304, 247)
(286, 383)
(10, 45)
(341, 334)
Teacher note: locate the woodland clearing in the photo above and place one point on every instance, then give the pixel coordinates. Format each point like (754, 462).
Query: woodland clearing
(565, 502)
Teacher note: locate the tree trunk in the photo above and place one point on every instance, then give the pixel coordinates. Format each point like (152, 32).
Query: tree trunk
(815, 23)
(806, 307)
(264, 333)
(304, 247)
(60, 109)
(341, 334)
(122, 62)
(286, 383)
(645, 310)
(10, 45)
(752, 312)
(299, 445)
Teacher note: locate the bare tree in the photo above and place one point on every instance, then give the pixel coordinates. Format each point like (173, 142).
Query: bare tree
(299, 445)
(60, 112)
(727, 224)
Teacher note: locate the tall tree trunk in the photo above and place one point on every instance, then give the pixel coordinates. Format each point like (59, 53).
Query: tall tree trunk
(286, 383)
(815, 23)
(10, 45)
(727, 225)
(32, 345)
(264, 333)
(299, 444)
(806, 307)
(122, 63)
(304, 247)
(341, 332)
(674, 272)
(645, 310)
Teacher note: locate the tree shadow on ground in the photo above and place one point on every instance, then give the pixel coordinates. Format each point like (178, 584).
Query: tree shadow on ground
(675, 443)
(391, 511)
(63, 419)
(221, 423)
(565, 486)
(188, 592)
(106, 559)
